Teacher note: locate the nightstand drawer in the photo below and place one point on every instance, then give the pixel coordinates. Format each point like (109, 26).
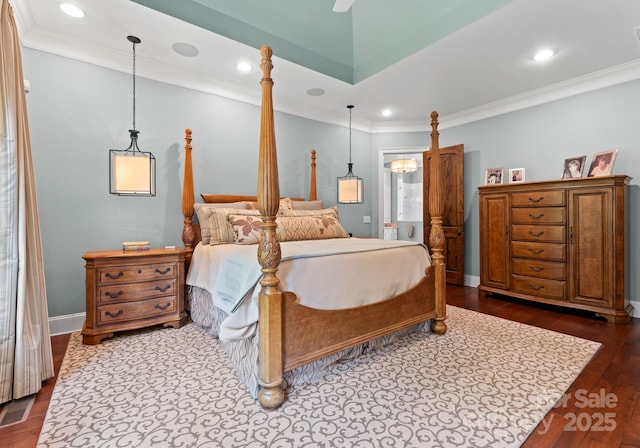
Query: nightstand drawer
(133, 273)
(119, 312)
(136, 291)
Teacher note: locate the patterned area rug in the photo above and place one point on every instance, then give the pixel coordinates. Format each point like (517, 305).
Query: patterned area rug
(486, 383)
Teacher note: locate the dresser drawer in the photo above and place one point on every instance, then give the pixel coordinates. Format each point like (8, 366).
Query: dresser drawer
(136, 291)
(539, 251)
(132, 273)
(539, 269)
(539, 287)
(119, 312)
(545, 234)
(538, 215)
(538, 199)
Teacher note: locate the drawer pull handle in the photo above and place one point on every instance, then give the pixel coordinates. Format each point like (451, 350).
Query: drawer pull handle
(110, 314)
(114, 277)
(536, 288)
(161, 289)
(163, 272)
(536, 268)
(160, 307)
(114, 295)
(536, 216)
(536, 200)
(536, 251)
(536, 234)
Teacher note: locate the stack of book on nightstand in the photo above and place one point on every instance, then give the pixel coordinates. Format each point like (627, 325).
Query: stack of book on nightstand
(136, 245)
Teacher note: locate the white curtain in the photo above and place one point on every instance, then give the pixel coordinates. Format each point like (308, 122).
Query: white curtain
(25, 344)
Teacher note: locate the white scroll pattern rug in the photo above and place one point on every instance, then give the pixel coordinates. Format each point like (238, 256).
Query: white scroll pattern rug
(486, 383)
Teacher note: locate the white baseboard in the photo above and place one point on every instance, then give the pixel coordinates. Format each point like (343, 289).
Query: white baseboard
(66, 324)
(471, 280)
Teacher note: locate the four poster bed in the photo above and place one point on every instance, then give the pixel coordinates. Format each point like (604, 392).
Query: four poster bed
(277, 338)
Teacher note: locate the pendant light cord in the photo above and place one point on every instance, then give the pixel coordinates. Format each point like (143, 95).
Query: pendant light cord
(134, 85)
(350, 107)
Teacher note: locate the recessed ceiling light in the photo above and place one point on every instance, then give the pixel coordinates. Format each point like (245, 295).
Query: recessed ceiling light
(387, 112)
(543, 55)
(185, 49)
(244, 67)
(316, 91)
(72, 10)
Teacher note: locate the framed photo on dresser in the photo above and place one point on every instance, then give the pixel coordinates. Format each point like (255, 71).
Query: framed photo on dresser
(602, 163)
(516, 175)
(573, 167)
(494, 176)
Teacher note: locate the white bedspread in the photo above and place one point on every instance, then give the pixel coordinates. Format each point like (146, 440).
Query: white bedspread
(342, 273)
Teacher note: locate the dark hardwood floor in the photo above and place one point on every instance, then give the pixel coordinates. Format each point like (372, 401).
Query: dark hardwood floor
(587, 417)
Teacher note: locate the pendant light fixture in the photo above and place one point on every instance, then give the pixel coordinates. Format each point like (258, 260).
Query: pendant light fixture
(350, 187)
(132, 171)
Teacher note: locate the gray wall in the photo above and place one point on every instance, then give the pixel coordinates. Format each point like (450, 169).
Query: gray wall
(78, 112)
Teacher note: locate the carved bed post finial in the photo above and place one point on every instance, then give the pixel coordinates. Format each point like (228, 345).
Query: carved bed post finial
(436, 238)
(188, 233)
(313, 195)
(271, 394)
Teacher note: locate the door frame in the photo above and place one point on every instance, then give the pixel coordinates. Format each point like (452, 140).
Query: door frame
(418, 150)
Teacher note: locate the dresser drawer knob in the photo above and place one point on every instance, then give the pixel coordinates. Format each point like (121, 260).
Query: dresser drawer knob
(114, 295)
(163, 272)
(113, 277)
(536, 216)
(536, 288)
(536, 268)
(160, 307)
(536, 200)
(110, 314)
(161, 289)
(536, 234)
(536, 251)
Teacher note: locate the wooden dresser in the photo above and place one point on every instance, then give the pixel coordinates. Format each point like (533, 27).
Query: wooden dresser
(133, 289)
(559, 242)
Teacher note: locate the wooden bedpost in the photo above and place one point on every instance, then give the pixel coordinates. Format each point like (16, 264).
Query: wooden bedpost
(436, 237)
(313, 195)
(188, 233)
(271, 394)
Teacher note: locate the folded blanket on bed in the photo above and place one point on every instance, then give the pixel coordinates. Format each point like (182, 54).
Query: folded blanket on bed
(240, 270)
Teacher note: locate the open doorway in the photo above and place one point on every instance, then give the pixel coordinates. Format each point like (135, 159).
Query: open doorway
(400, 194)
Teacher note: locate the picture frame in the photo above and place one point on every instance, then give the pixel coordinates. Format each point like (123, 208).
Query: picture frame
(494, 176)
(602, 163)
(516, 175)
(573, 167)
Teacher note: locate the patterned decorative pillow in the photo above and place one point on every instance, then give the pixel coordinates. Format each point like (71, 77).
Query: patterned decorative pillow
(311, 212)
(203, 211)
(307, 205)
(285, 204)
(246, 229)
(220, 228)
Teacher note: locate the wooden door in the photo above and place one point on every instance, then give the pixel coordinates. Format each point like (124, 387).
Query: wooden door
(495, 258)
(452, 176)
(591, 243)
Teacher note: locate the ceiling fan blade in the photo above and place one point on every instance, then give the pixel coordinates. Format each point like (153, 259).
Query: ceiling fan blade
(342, 5)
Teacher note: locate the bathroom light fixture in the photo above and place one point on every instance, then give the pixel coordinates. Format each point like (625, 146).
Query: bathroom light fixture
(404, 165)
(72, 10)
(350, 187)
(132, 172)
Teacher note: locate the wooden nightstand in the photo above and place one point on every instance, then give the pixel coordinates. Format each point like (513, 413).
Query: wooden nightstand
(133, 289)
